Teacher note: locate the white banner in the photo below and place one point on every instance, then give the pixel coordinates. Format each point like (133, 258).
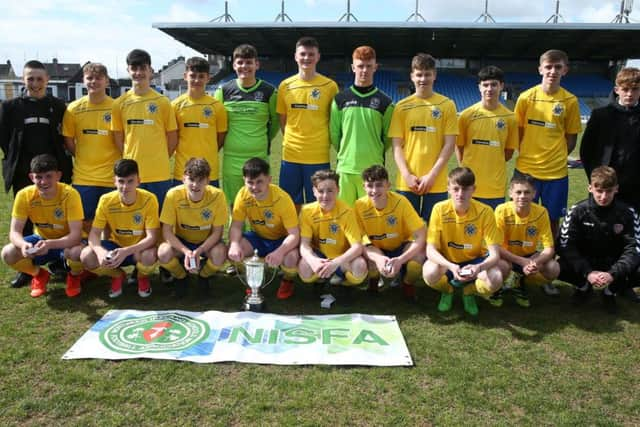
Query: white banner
(214, 336)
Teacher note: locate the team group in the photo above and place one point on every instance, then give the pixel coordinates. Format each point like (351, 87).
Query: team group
(452, 229)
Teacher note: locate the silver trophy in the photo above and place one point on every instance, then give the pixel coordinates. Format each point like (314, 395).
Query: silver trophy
(254, 275)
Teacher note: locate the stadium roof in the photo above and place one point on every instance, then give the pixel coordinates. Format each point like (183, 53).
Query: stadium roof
(443, 40)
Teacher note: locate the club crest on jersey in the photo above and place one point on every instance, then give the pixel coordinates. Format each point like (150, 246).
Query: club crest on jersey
(315, 94)
(470, 229)
(258, 96)
(58, 213)
(375, 102)
(436, 113)
(106, 117)
(392, 220)
(531, 231)
(558, 109)
(152, 107)
(206, 214)
(268, 214)
(617, 228)
(501, 124)
(137, 218)
(207, 112)
(333, 228)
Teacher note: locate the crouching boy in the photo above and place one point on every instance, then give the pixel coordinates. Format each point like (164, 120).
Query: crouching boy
(524, 226)
(273, 220)
(394, 233)
(131, 214)
(462, 245)
(193, 217)
(55, 209)
(330, 238)
(599, 242)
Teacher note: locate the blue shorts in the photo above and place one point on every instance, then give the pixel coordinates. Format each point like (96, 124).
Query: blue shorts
(109, 245)
(424, 204)
(176, 182)
(159, 188)
(553, 192)
(295, 177)
(51, 255)
(338, 271)
(264, 246)
(462, 264)
(90, 194)
(493, 203)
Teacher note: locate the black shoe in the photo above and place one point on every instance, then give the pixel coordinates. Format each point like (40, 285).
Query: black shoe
(21, 279)
(203, 286)
(180, 287)
(609, 302)
(631, 295)
(580, 297)
(165, 276)
(58, 269)
(132, 280)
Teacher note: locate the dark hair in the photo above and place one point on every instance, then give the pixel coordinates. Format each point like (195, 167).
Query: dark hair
(138, 57)
(323, 175)
(197, 168)
(423, 61)
(490, 72)
(604, 177)
(523, 178)
(245, 51)
(125, 167)
(197, 64)
(375, 173)
(44, 163)
(462, 176)
(307, 41)
(35, 65)
(255, 167)
(555, 55)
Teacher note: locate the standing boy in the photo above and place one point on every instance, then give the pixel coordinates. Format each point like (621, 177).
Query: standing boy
(525, 226)
(273, 221)
(144, 126)
(600, 242)
(304, 105)
(394, 232)
(30, 125)
(131, 214)
(87, 135)
(423, 132)
(488, 135)
(55, 210)
(360, 118)
(201, 119)
(251, 110)
(462, 245)
(330, 238)
(193, 217)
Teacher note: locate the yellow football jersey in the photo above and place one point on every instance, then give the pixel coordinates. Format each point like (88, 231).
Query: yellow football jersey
(199, 122)
(307, 105)
(128, 223)
(422, 125)
(269, 218)
(485, 134)
(523, 235)
(90, 125)
(462, 238)
(50, 217)
(194, 221)
(390, 227)
(546, 119)
(333, 232)
(145, 121)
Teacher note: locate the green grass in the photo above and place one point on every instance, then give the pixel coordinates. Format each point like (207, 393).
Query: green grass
(550, 364)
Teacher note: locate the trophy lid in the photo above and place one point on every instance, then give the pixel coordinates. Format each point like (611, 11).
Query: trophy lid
(254, 260)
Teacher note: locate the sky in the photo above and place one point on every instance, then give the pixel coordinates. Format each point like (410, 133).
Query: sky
(104, 31)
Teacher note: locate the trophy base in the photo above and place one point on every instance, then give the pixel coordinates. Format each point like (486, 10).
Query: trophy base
(256, 307)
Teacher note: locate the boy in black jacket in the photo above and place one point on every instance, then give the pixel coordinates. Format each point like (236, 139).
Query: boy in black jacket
(599, 245)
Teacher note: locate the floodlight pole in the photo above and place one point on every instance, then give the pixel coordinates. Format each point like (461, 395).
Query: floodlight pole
(282, 16)
(348, 15)
(625, 9)
(416, 15)
(486, 16)
(226, 17)
(554, 18)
